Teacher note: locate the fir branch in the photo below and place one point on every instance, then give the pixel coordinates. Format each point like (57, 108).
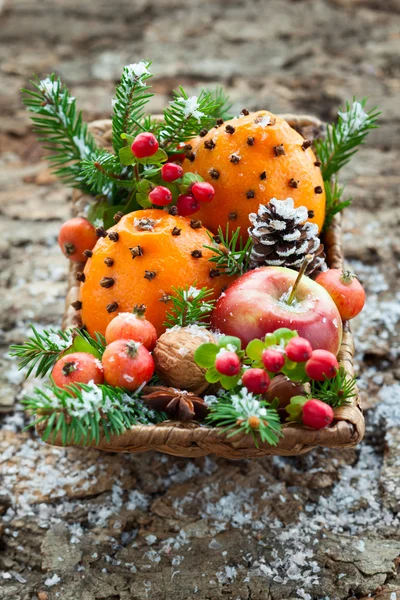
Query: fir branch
(41, 351)
(334, 202)
(82, 413)
(60, 129)
(131, 96)
(232, 256)
(191, 306)
(245, 413)
(344, 138)
(185, 117)
(337, 391)
(103, 173)
(223, 105)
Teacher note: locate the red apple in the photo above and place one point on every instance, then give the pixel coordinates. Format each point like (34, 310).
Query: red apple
(256, 304)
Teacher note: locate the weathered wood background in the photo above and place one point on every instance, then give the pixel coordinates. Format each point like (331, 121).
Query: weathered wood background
(80, 525)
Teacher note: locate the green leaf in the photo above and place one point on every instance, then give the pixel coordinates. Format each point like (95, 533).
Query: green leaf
(126, 156)
(187, 180)
(81, 345)
(212, 375)
(158, 157)
(229, 340)
(295, 408)
(254, 349)
(129, 138)
(143, 200)
(297, 373)
(284, 334)
(229, 382)
(205, 355)
(270, 340)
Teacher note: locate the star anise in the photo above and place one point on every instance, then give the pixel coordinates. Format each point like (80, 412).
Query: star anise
(178, 404)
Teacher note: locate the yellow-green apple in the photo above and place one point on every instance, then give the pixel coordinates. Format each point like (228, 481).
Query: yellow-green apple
(259, 302)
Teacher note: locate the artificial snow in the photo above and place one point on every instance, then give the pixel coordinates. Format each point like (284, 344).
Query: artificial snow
(189, 106)
(50, 581)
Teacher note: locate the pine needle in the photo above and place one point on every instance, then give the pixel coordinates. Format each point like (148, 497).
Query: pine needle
(232, 255)
(190, 306)
(60, 129)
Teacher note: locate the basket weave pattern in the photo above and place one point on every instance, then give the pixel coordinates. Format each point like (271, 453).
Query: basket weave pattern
(190, 439)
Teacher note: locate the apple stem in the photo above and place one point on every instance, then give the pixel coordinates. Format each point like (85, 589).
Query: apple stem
(307, 259)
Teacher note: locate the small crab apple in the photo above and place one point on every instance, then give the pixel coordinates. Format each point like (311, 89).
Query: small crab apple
(171, 171)
(77, 367)
(317, 414)
(227, 363)
(77, 235)
(345, 290)
(298, 349)
(203, 191)
(127, 364)
(160, 196)
(144, 145)
(187, 205)
(132, 326)
(322, 365)
(256, 380)
(273, 360)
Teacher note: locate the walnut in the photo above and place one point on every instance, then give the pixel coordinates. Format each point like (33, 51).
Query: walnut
(174, 358)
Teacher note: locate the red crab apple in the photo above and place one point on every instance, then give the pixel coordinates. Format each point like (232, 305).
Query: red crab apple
(259, 302)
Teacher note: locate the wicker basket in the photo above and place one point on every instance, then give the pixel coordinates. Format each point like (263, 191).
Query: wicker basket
(190, 439)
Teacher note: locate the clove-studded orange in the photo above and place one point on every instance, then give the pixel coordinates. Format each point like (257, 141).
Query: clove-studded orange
(250, 160)
(141, 259)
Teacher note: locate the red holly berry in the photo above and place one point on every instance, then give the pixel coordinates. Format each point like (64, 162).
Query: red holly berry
(317, 414)
(77, 235)
(256, 380)
(171, 171)
(227, 363)
(144, 145)
(322, 365)
(203, 191)
(298, 349)
(273, 360)
(77, 367)
(132, 326)
(187, 205)
(345, 290)
(127, 364)
(160, 196)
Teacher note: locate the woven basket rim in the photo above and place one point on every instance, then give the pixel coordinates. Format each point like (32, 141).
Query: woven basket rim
(193, 439)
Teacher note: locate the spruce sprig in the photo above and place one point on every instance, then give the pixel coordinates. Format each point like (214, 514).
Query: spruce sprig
(60, 129)
(131, 96)
(334, 202)
(232, 255)
(41, 350)
(223, 105)
(190, 306)
(103, 173)
(337, 391)
(82, 413)
(248, 414)
(185, 117)
(344, 138)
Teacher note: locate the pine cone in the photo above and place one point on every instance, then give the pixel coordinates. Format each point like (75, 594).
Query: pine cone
(282, 237)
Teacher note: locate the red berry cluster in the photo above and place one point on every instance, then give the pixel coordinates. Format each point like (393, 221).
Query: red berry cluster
(145, 145)
(319, 365)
